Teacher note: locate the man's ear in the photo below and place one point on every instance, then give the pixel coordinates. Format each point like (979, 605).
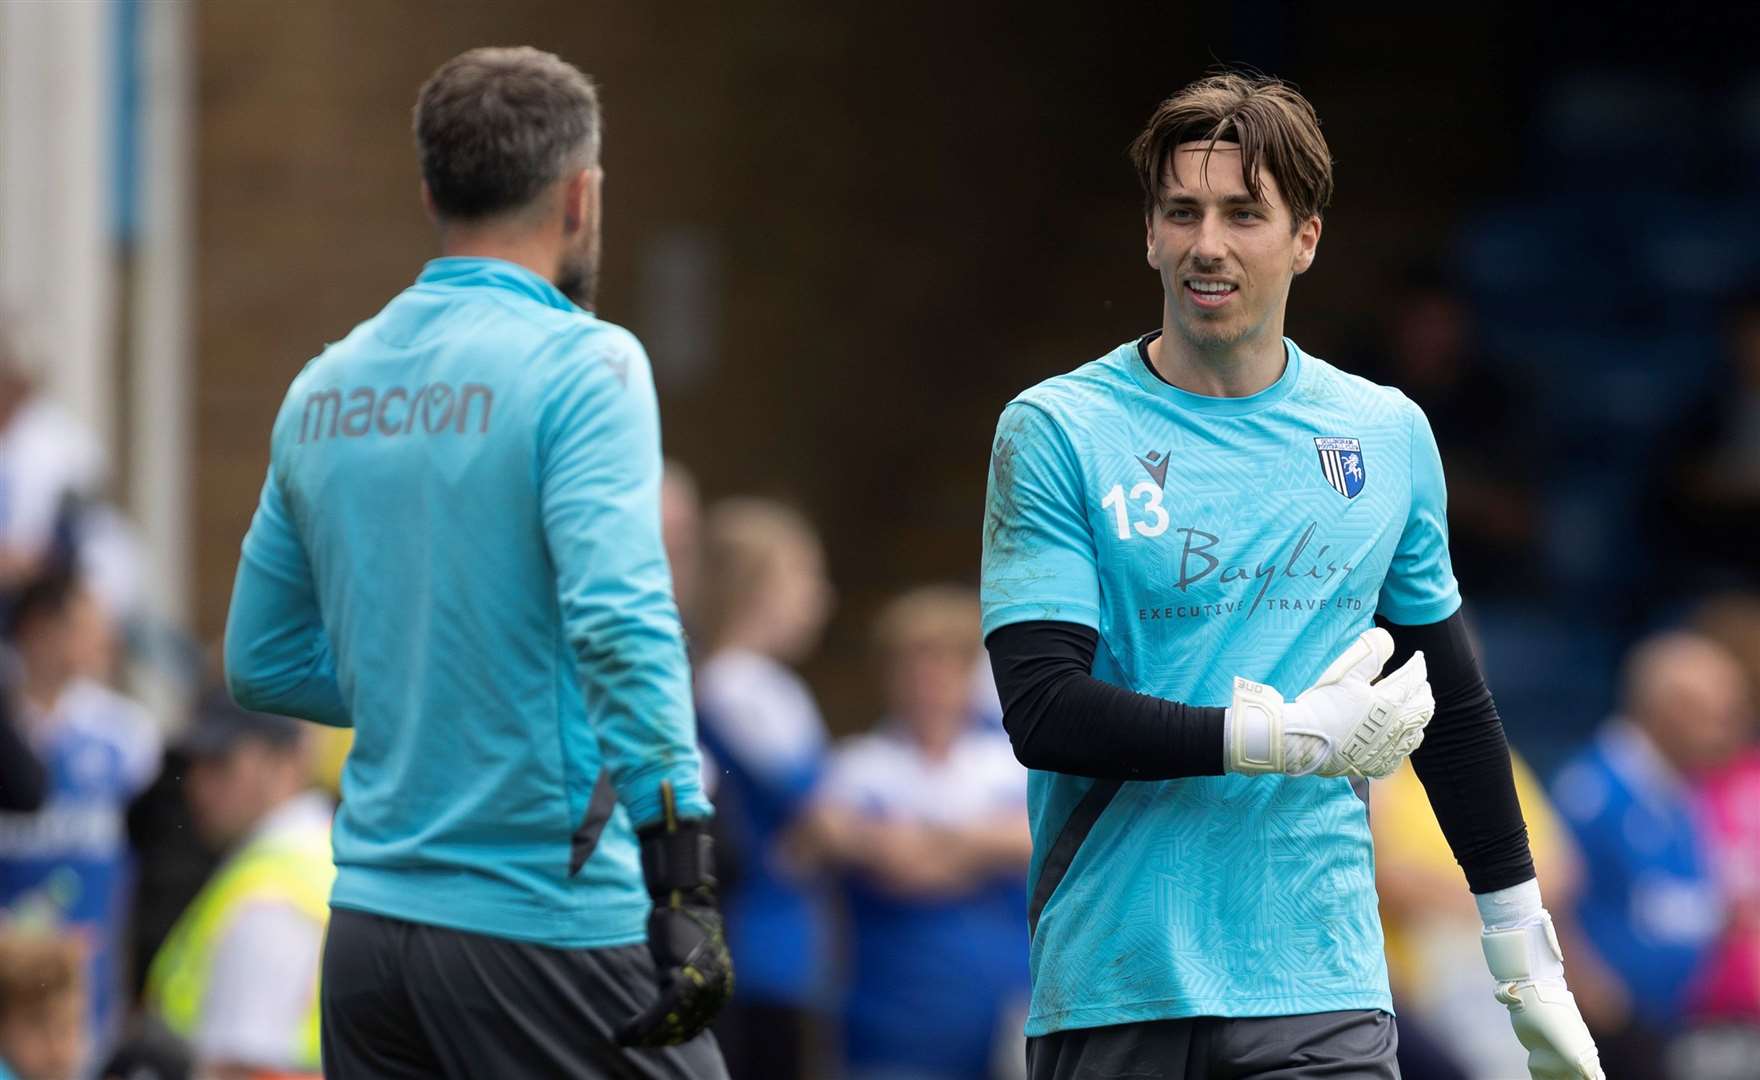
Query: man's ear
(428, 204)
(580, 199)
(1149, 239)
(1307, 244)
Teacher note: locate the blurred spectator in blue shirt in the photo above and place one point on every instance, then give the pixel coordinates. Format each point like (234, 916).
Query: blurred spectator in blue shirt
(764, 602)
(925, 820)
(1650, 905)
(68, 865)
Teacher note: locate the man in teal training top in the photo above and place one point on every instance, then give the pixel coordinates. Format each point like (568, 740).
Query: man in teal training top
(457, 553)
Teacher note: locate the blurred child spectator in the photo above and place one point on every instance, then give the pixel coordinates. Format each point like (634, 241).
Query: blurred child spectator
(238, 976)
(42, 1006)
(1432, 925)
(925, 820)
(47, 460)
(765, 599)
(69, 864)
(1650, 901)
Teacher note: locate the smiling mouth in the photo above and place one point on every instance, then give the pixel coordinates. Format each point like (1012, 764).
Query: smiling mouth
(1211, 294)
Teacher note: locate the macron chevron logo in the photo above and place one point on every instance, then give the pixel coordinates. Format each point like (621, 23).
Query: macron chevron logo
(1156, 464)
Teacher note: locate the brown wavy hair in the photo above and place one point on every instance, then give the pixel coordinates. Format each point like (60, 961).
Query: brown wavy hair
(1273, 124)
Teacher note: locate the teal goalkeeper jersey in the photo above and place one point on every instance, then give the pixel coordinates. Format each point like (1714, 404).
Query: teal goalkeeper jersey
(1204, 538)
(457, 552)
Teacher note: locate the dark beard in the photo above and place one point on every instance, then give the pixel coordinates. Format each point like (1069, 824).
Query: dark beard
(579, 281)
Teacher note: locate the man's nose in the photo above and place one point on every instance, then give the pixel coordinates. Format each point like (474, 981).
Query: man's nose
(1211, 245)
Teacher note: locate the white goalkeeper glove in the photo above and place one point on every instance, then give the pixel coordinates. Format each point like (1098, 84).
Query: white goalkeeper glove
(1344, 725)
(1522, 951)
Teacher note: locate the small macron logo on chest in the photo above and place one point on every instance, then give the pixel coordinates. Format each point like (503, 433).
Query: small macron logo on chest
(1155, 463)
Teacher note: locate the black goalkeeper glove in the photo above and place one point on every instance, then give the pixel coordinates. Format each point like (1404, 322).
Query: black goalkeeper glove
(684, 931)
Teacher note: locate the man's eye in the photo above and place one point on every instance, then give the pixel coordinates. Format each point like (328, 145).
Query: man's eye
(1246, 215)
(1179, 213)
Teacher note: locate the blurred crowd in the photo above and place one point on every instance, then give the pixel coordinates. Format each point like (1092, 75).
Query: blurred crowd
(1647, 844)
(1647, 837)
(163, 878)
(876, 887)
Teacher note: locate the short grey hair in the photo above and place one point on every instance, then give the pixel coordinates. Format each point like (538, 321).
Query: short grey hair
(495, 126)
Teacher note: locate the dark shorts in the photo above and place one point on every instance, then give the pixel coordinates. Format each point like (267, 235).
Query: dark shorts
(1360, 1044)
(402, 999)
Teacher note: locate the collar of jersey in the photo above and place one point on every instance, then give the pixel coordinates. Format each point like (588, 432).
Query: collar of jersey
(458, 271)
(1138, 363)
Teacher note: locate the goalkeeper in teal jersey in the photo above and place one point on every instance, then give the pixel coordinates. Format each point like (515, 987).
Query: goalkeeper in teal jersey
(1218, 599)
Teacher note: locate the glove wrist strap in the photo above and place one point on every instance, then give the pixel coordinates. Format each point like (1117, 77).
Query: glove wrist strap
(678, 854)
(1252, 729)
(1526, 953)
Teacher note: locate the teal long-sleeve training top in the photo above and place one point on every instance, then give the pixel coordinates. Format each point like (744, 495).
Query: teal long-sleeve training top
(457, 553)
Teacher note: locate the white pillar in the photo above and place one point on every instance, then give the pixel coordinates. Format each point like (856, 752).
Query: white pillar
(56, 272)
(160, 443)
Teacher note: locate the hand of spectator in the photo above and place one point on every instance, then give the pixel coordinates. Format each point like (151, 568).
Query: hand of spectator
(914, 859)
(826, 837)
(907, 857)
(17, 567)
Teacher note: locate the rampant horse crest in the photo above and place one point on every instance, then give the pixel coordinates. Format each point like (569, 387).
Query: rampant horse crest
(1342, 462)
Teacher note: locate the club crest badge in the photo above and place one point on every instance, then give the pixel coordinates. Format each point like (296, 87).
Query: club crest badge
(1342, 462)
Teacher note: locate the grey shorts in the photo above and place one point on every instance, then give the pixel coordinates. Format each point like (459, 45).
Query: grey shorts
(1359, 1044)
(401, 999)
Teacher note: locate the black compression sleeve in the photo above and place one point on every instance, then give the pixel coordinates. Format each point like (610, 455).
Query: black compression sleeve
(1062, 719)
(1464, 759)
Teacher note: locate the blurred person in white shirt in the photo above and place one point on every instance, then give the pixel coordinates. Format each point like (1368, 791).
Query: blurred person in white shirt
(47, 460)
(925, 822)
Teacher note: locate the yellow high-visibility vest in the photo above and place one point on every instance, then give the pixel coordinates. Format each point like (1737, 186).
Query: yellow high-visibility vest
(291, 867)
